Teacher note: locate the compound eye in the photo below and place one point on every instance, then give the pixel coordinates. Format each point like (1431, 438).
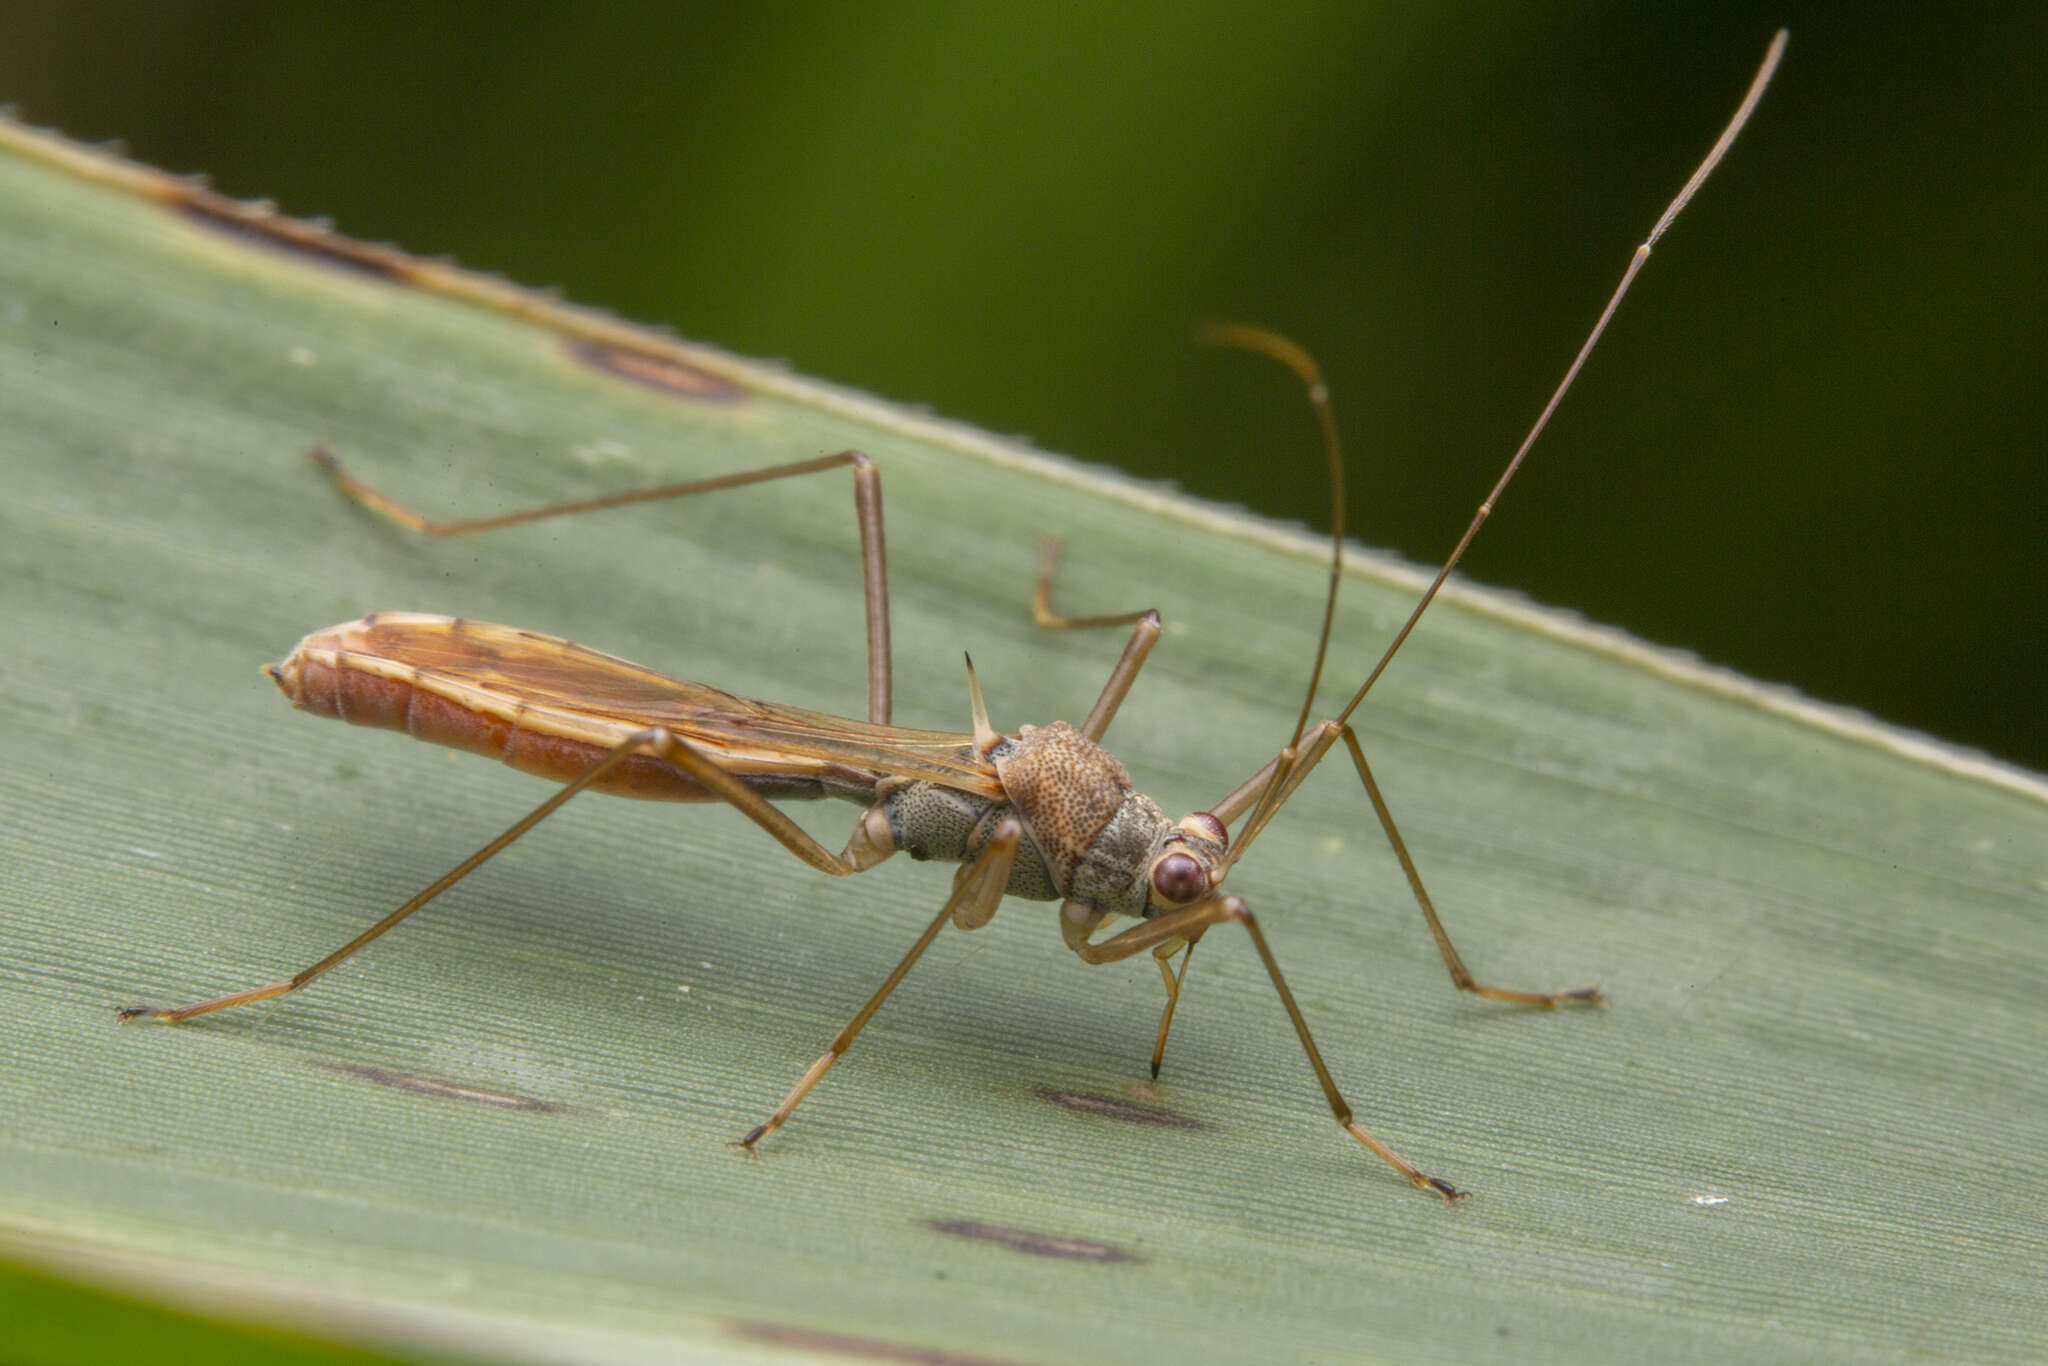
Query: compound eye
(1204, 825)
(1180, 878)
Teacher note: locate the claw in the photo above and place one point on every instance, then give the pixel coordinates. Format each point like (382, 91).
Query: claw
(1449, 1192)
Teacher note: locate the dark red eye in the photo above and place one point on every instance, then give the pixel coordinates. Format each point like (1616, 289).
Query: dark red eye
(1204, 825)
(1180, 878)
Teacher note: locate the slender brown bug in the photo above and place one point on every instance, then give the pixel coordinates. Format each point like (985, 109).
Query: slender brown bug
(1046, 814)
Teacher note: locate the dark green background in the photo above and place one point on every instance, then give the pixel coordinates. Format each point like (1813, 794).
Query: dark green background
(1811, 449)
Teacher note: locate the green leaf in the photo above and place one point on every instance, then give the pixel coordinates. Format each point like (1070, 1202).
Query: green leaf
(51, 1321)
(1808, 1127)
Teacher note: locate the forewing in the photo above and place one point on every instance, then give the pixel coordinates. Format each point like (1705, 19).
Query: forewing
(587, 694)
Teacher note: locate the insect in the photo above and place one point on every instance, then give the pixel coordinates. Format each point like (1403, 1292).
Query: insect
(1046, 814)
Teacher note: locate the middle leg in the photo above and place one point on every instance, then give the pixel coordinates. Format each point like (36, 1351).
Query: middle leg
(978, 887)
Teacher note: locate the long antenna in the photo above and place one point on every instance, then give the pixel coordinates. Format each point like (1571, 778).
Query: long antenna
(1246, 337)
(1720, 149)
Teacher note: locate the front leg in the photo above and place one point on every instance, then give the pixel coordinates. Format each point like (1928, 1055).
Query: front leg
(1190, 922)
(1461, 976)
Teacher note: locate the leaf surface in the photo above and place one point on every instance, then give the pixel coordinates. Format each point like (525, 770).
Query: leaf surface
(1808, 1127)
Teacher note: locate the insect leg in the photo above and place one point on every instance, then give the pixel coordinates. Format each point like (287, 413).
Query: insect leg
(1163, 955)
(976, 889)
(1460, 975)
(1190, 922)
(1143, 638)
(867, 504)
(861, 853)
(1265, 792)
(1262, 794)
(1041, 597)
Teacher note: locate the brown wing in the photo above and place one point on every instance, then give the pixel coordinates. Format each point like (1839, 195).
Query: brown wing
(542, 683)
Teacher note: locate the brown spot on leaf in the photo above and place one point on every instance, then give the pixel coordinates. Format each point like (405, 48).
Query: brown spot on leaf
(262, 225)
(1116, 1107)
(847, 1345)
(439, 1089)
(670, 374)
(1031, 1242)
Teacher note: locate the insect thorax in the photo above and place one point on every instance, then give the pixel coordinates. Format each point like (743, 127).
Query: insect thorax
(1089, 835)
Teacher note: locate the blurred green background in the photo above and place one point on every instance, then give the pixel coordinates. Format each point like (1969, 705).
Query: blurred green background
(1811, 448)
